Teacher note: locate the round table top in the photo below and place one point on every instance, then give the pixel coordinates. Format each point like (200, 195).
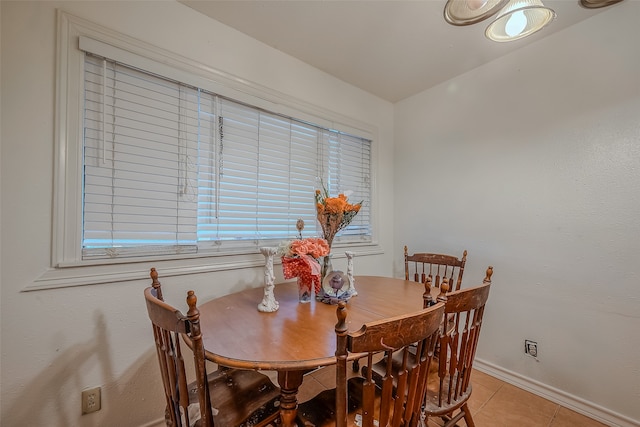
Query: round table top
(297, 336)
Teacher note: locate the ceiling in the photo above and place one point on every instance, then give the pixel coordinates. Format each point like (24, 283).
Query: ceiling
(392, 49)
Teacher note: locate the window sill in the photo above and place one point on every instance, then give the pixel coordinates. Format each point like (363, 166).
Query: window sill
(65, 277)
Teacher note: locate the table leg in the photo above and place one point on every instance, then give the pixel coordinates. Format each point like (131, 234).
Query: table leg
(289, 382)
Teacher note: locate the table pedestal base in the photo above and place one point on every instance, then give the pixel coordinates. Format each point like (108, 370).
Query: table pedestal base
(289, 382)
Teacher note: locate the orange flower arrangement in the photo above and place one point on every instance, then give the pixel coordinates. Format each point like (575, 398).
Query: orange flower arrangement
(300, 259)
(314, 247)
(334, 213)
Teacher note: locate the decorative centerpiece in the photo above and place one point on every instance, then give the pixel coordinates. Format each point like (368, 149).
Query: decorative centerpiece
(300, 258)
(334, 214)
(337, 286)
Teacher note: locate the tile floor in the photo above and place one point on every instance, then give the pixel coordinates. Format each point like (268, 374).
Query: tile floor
(493, 403)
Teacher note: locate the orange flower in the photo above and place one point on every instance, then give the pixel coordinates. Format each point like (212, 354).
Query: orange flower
(334, 213)
(311, 246)
(335, 205)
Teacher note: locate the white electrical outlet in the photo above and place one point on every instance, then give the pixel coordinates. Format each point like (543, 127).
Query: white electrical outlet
(531, 348)
(91, 400)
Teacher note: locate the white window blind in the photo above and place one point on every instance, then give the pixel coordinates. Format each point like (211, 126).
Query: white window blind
(349, 161)
(170, 169)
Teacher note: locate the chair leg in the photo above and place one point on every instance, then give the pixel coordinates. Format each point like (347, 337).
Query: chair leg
(468, 419)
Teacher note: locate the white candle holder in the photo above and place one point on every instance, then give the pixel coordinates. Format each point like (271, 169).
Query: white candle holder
(352, 280)
(269, 303)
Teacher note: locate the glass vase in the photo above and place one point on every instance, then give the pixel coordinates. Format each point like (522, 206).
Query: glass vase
(327, 267)
(304, 290)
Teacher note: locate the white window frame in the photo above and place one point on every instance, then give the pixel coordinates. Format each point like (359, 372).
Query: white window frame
(67, 267)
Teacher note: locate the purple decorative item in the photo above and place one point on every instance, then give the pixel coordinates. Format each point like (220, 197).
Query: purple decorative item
(335, 288)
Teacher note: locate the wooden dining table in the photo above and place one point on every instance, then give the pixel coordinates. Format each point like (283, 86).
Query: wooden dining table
(298, 337)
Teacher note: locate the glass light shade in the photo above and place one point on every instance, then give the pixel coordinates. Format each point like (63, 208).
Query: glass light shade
(594, 4)
(519, 19)
(466, 12)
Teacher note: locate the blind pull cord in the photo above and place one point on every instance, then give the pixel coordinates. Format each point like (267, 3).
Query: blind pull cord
(104, 108)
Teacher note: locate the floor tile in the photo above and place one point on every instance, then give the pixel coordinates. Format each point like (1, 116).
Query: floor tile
(434, 422)
(568, 418)
(309, 389)
(486, 380)
(480, 395)
(273, 376)
(511, 406)
(326, 376)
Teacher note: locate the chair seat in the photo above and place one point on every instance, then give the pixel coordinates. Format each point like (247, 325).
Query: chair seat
(240, 398)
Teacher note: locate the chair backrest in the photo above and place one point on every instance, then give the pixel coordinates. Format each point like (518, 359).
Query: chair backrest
(168, 324)
(427, 298)
(464, 310)
(402, 390)
(421, 266)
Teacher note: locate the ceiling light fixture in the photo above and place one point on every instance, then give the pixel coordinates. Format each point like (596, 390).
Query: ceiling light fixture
(518, 19)
(466, 12)
(594, 4)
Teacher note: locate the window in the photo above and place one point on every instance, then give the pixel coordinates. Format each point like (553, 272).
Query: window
(160, 158)
(175, 169)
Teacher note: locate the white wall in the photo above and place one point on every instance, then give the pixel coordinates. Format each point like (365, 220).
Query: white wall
(57, 342)
(532, 164)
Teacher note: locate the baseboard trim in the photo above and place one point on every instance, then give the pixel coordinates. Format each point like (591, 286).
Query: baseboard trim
(555, 395)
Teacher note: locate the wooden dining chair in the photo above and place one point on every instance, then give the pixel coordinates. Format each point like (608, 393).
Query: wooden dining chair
(431, 269)
(449, 390)
(223, 398)
(452, 326)
(398, 399)
(420, 266)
